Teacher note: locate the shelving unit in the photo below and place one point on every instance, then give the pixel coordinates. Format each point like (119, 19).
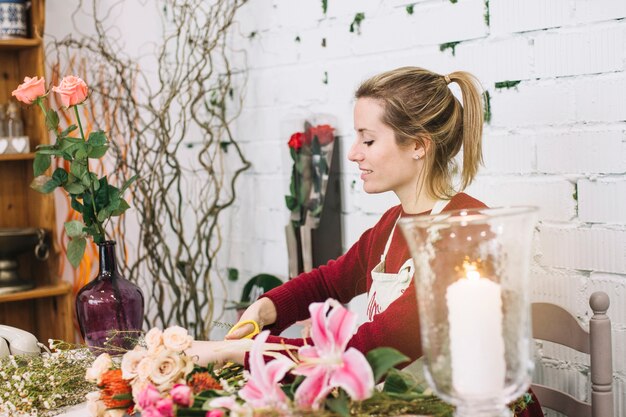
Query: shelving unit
(47, 310)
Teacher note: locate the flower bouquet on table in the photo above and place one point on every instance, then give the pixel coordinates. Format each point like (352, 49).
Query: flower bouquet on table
(158, 379)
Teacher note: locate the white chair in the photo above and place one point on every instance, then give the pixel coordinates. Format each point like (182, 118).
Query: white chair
(555, 324)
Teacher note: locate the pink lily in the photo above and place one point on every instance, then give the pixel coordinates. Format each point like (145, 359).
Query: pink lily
(327, 364)
(262, 390)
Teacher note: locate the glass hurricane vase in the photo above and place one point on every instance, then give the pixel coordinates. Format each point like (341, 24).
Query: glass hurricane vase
(472, 292)
(110, 308)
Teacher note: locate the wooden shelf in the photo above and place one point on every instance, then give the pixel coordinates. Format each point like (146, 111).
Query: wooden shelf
(24, 43)
(17, 156)
(62, 288)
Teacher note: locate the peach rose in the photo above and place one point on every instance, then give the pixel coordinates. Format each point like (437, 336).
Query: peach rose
(130, 362)
(30, 89)
(144, 367)
(169, 368)
(177, 339)
(102, 364)
(154, 339)
(71, 91)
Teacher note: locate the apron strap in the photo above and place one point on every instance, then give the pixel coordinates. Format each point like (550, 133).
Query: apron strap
(439, 205)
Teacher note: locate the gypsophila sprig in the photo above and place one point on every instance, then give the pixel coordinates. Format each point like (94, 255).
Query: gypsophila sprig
(41, 385)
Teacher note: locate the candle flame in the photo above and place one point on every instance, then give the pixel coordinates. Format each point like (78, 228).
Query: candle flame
(471, 271)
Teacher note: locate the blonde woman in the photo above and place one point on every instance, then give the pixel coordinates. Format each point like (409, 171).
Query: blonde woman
(409, 129)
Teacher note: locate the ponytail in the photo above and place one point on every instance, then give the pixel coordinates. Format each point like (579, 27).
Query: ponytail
(472, 124)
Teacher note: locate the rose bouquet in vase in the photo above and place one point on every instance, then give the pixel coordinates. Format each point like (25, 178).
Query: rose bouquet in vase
(110, 304)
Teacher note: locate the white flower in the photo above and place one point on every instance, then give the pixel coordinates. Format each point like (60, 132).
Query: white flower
(130, 362)
(154, 338)
(177, 339)
(102, 364)
(95, 406)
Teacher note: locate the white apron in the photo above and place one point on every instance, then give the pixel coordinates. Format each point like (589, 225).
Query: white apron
(386, 288)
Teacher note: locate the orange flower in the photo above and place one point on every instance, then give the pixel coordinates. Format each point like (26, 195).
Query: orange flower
(112, 385)
(203, 381)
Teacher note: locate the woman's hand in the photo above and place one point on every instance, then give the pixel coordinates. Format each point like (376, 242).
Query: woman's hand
(218, 352)
(262, 311)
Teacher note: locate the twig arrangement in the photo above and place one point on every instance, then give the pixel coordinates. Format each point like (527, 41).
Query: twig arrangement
(169, 118)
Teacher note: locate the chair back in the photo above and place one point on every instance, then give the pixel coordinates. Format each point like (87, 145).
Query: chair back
(555, 324)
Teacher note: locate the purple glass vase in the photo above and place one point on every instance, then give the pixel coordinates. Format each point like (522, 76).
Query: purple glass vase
(110, 308)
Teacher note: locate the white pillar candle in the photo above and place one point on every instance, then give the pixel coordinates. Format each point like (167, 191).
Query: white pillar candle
(476, 342)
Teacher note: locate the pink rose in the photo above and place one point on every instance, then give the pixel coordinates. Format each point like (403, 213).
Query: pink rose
(148, 397)
(150, 412)
(215, 413)
(72, 91)
(30, 89)
(182, 395)
(165, 407)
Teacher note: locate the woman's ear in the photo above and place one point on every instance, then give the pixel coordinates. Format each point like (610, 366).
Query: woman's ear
(420, 152)
(421, 147)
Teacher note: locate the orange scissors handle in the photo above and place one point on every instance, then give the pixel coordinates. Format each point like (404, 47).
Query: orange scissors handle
(250, 335)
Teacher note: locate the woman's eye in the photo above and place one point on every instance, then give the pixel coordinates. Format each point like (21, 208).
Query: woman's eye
(368, 142)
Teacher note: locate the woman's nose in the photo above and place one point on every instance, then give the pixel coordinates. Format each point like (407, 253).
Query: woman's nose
(354, 154)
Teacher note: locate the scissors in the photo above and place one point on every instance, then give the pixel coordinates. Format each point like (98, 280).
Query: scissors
(250, 335)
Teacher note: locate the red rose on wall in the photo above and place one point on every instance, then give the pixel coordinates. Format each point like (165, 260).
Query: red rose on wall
(324, 134)
(296, 140)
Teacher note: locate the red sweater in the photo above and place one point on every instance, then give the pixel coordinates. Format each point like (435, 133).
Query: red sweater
(349, 276)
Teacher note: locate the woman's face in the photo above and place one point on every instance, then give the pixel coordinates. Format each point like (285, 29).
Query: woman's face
(384, 165)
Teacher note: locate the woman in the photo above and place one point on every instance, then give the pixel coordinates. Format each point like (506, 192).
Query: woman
(409, 128)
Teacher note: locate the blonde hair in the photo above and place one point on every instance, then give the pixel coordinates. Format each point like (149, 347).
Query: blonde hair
(419, 107)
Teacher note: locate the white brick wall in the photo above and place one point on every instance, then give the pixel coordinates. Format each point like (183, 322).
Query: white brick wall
(557, 140)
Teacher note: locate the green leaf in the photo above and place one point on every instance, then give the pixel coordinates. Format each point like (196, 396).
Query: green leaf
(127, 184)
(114, 193)
(303, 194)
(43, 184)
(98, 151)
(97, 138)
(101, 197)
(79, 169)
(103, 214)
(67, 131)
(76, 205)
(75, 188)
(60, 176)
(52, 120)
(88, 214)
(316, 149)
(121, 208)
(402, 384)
(82, 152)
(41, 163)
(50, 151)
(383, 359)
(74, 228)
(233, 274)
(76, 250)
(339, 405)
(291, 202)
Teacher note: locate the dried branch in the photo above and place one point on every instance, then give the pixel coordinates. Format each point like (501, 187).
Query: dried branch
(170, 125)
